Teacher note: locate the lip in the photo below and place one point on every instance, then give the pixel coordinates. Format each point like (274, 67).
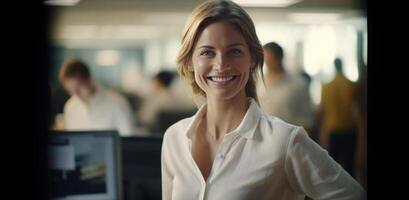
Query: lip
(222, 80)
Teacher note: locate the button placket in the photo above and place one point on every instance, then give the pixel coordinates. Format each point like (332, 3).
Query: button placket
(221, 155)
(203, 191)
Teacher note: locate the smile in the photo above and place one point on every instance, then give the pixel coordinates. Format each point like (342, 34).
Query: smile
(222, 79)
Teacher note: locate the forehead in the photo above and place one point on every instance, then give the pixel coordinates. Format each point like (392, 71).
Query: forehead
(220, 34)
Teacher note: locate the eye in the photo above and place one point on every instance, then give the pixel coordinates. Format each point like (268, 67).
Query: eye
(236, 52)
(206, 53)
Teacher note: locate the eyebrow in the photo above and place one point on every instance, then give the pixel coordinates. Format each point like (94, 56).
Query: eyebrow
(211, 47)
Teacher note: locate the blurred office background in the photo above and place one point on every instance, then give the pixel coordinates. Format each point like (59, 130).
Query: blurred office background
(127, 42)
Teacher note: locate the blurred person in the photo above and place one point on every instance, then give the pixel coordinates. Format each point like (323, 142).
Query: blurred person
(361, 154)
(341, 119)
(285, 96)
(162, 98)
(306, 77)
(231, 149)
(314, 129)
(91, 106)
(157, 99)
(58, 98)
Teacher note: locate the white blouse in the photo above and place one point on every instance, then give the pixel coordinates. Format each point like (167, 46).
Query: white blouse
(263, 158)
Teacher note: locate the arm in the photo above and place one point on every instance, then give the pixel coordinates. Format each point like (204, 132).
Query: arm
(166, 173)
(310, 170)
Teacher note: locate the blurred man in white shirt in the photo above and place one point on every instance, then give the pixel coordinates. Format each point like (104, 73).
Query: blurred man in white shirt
(284, 95)
(91, 107)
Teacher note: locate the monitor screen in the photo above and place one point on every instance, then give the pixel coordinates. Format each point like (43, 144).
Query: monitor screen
(84, 165)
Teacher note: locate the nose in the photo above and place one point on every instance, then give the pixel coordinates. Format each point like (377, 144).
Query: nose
(222, 62)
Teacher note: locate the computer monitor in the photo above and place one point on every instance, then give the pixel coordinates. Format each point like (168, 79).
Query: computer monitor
(141, 167)
(85, 165)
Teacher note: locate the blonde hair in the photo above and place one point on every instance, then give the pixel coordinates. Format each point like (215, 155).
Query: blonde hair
(202, 16)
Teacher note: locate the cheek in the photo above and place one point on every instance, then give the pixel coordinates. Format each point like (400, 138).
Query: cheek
(246, 75)
(200, 68)
(197, 77)
(243, 65)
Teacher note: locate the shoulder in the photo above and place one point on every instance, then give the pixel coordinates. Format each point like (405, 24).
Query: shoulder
(327, 86)
(174, 138)
(71, 103)
(276, 136)
(114, 97)
(177, 129)
(278, 130)
(291, 139)
(277, 124)
(176, 135)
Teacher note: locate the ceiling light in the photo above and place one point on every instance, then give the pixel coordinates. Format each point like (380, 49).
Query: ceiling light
(266, 3)
(108, 57)
(314, 17)
(61, 2)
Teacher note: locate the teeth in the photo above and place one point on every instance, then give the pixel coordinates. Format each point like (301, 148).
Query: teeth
(221, 78)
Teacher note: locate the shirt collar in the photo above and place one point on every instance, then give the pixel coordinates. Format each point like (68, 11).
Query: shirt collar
(246, 127)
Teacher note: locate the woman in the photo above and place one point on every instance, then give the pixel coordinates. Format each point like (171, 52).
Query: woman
(230, 149)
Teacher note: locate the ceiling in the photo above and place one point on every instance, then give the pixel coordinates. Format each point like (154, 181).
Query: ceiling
(146, 19)
(188, 5)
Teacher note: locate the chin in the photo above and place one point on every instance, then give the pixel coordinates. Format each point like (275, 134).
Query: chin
(225, 95)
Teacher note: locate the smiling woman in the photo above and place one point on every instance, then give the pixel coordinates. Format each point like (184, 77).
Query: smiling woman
(223, 63)
(231, 149)
(245, 39)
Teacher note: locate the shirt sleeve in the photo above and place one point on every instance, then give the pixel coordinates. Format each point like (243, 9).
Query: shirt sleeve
(166, 173)
(310, 170)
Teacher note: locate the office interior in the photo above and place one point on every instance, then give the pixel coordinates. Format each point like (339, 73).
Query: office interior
(127, 43)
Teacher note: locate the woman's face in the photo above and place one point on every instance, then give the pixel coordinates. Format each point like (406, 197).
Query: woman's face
(221, 61)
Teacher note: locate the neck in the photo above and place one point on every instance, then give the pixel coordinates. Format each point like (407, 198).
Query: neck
(223, 116)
